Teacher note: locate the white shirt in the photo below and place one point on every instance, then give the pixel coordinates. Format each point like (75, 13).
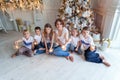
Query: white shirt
(48, 40)
(28, 42)
(62, 37)
(74, 40)
(38, 38)
(86, 42)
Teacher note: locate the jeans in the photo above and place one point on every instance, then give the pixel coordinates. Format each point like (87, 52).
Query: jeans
(38, 46)
(72, 48)
(38, 51)
(59, 52)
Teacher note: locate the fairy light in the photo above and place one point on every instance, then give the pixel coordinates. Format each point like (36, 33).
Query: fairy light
(21, 4)
(63, 47)
(51, 50)
(16, 47)
(35, 43)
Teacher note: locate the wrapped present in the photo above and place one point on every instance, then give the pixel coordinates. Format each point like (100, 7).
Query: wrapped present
(105, 44)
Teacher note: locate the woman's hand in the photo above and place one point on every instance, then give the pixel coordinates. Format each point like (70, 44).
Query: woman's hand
(63, 47)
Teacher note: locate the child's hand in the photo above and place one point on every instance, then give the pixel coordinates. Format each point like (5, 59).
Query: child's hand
(16, 46)
(50, 50)
(92, 48)
(76, 49)
(35, 42)
(47, 51)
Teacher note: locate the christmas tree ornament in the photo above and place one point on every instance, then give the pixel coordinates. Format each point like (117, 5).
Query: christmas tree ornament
(77, 12)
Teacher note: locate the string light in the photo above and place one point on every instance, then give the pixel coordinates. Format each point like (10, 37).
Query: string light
(21, 4)
(35, 43)
(50, 50)
(16, 47)
(63, 47)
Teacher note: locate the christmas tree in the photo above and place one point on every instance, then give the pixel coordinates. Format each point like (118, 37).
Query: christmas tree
(76, 14)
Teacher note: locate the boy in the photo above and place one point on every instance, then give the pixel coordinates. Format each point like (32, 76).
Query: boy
(88, 45)
(37, 38)
(38, 43)
(26, 48)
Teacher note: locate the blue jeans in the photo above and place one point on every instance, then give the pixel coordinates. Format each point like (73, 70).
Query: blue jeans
(59, 52)
(68, 47)
(38, 46)
(72, 48)
(92, 56)
(38, 51)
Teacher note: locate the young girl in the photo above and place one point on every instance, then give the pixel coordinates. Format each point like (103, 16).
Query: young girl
(89, 47)
(48, 38)
(74, 43)
(61, 37)
(26, 49)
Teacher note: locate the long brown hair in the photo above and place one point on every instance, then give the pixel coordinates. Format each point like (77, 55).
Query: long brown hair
(45, 33)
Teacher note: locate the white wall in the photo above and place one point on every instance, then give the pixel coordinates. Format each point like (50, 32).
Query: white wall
(48, 16)
(106, 8)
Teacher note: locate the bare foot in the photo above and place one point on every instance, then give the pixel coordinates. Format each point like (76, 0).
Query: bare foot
(102, 57)
(67, 58)
(71, 58)
(106, 63)
(13, 55)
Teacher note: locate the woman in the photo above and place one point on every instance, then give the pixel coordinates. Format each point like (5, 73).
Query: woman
(61, 37)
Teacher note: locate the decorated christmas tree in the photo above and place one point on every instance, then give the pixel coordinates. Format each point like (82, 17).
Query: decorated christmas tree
(76, 14)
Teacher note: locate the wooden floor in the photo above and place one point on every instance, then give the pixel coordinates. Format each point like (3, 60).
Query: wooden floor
(46, 67)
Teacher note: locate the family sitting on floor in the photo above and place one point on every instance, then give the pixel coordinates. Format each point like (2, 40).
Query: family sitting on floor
(59, 43)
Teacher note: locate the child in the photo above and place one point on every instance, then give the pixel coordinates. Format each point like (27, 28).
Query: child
(48, 38)
(89, 47)
(26, 49)
(38, 47)
(74, 43)
(37, 37)
(61, 37)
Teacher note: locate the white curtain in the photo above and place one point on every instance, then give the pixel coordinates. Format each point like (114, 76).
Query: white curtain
(115, 31)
